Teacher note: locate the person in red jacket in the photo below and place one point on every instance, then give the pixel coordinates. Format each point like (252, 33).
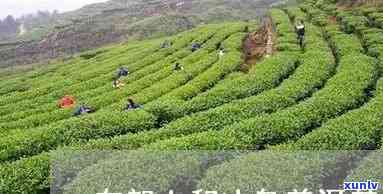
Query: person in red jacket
(67, 102)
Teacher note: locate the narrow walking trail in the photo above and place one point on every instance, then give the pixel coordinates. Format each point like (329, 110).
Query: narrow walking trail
(258, 44)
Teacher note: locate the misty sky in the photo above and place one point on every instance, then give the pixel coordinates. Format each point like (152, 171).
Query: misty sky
(19, 7)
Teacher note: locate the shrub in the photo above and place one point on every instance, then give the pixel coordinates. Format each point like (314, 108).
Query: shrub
(102, 100)
(26, 176)
(80, 75)
(202, 82)
(181, 41)
(340, 94)
(268, 75)
(273, 171)
(353, 24)
(39, 95)
(355, 130)
(106, 124)
(311, 75)
(376, 19)
(372, 37)
(140, 167)
(91, 54)
(346, 45)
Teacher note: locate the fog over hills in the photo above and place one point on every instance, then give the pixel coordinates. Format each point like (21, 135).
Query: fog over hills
(18, 8)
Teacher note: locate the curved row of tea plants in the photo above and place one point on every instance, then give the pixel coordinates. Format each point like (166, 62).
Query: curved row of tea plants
(82, 92)
(104, 123)
(339, 95)
(355, 130)
(183, 42)
(312, 74)
(345, 132)
(205, 63)
(266, 75)
(237, 168)
(103, 100)
(115, 53)
(53, 106)
(77, 77)
(27, 80)
(186, 122)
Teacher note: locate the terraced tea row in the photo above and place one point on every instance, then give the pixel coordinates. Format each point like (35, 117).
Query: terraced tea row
(104, 100)
(86, 127)
(65, 81)
(355, 130)
(183, 42)
(266, 75)
(305, 80)
(109, 90)
(290, 101)
(224, 67)
(340, 94)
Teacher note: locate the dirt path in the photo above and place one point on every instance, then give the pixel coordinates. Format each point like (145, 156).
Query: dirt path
(258, 44)
(270, 42)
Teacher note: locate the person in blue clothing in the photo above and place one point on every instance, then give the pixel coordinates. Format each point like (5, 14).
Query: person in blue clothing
(82, 109)
(122, 72)
(195, 46)
(132, 105)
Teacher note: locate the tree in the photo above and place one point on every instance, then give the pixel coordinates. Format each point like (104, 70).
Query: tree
(54, 15)
(9, 25)
(9, 20)
(43, 14)
(55, 12)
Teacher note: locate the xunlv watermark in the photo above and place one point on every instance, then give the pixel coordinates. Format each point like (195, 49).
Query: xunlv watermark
(237, 191)
(361, 186)
(217, 172)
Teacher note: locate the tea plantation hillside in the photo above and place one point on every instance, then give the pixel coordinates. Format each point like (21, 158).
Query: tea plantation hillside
(327, 96)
